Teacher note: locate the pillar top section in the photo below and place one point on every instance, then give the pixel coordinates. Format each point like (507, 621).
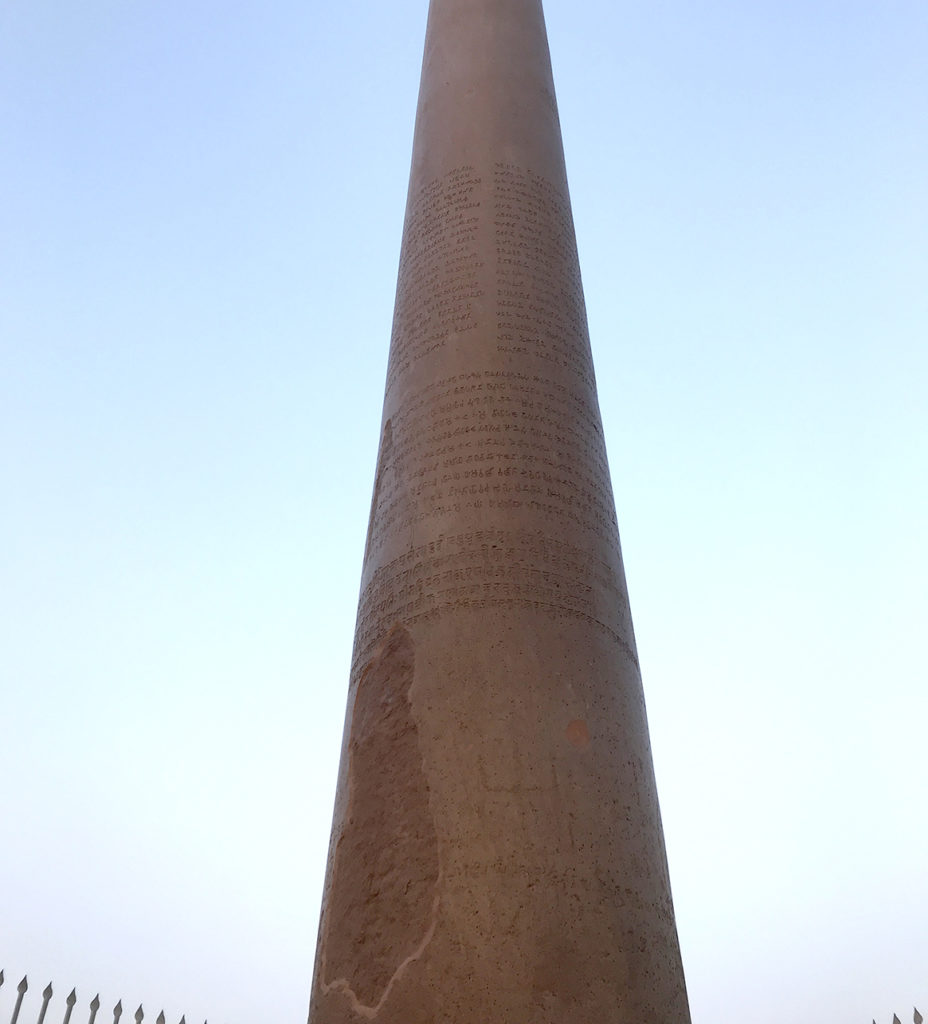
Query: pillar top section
(487, 91)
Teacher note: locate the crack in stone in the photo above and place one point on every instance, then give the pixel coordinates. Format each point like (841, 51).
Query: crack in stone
(343, 986)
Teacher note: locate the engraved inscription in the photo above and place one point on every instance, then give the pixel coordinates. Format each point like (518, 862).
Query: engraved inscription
(439, 264)
(494, 568)
(494, 439)
(540, 307)
(517, 435)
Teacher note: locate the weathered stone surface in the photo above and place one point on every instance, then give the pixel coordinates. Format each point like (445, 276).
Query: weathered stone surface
(497, 854)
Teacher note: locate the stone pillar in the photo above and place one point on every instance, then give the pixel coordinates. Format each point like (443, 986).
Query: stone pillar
(497, 854)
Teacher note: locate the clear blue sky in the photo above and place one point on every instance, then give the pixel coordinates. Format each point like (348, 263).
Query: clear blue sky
(199, 232)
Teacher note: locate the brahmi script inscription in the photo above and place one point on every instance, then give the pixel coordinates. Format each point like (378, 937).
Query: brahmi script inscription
(540, 308)
(493, 440)
(438, 278)
(515, 225)
(492, 568)
(514, 440)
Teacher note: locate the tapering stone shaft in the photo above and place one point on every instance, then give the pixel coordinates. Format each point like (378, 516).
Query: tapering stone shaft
(497, 854)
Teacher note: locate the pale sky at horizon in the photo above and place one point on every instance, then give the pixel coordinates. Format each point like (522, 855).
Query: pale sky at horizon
(199, 236)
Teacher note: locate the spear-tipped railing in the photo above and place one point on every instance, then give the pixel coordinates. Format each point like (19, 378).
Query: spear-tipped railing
(93, 1006)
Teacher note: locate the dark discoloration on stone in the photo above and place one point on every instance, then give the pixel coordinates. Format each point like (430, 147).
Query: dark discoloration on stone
(559, 978)
(578, 733)
(381, 907)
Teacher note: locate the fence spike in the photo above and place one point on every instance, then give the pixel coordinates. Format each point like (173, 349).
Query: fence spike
(916, 1016)
(117, 1012)
(21, 990)
(94, 1006)
(69, 1003)
(160, 1019)
(46, 996)
(140, 1014)
(1, 977)
(896, 1019)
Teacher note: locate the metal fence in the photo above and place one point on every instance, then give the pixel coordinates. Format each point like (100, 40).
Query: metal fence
(93, 1008)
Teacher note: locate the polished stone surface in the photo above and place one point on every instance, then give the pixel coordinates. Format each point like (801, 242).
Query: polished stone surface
(497, 854)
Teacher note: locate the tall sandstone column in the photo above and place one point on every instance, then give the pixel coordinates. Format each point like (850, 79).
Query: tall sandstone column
(497, 854)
